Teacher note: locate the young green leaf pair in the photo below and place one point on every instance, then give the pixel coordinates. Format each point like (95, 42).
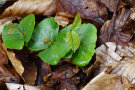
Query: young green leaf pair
(77, 38)
(72, 38)
(15, 35)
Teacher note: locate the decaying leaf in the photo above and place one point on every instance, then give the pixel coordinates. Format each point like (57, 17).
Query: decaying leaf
(64, 76)
(131, 3)
(28, 62)
(88, 9)
(15, 62)
(113, 4)
(24, 7)
(120, 29)
(116, 65)
(12, 86)
(67, 84)
(7, 73)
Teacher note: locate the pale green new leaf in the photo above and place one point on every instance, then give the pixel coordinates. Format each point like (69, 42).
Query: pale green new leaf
(73, 40)
(77, 21)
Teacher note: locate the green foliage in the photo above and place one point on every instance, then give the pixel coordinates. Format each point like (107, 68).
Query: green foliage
(77, 38)
(14, 35)
(53, 54)
(88, 38)
(73, 40)
(46, 29)
(77, 22)
(28, 24)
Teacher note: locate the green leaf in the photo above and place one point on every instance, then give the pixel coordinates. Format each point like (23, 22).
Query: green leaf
(88, 37)
(28, 24)
(69, 54)
(53, 54)
(13, 36)
(73, 40)
(46, 29)
(77, 21)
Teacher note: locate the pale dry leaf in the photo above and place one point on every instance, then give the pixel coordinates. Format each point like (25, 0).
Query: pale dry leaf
(12, 86)
(61, 20)
(121, 61)
(108, 82)
(25, 7)
(5, 21)
(15, 62)
(30, 68)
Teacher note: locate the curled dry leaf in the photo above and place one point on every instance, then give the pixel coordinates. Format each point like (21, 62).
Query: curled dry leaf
(88, 9)
(15, 62)
(118, 61)
(120, 29)
(12, 86)
(7, 73)
(61, 20)
(28, 62)
(24, 7)
(116, 68)
(108, 82)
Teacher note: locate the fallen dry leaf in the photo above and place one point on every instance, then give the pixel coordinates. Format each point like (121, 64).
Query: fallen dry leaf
(15, 62)
(120, 29)
(113, 4)
(88, 9)
(108, 82)
(28, 62)
(7, 72)
(61, 20)
(24, 7)
(12, 86)
(115, 64)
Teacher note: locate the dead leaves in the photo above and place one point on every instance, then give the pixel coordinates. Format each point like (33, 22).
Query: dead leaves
(12, 86)
(88, 9)
(120, 29)
(15, 62)
(7, 73)
(114, 63)
(24, 7)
